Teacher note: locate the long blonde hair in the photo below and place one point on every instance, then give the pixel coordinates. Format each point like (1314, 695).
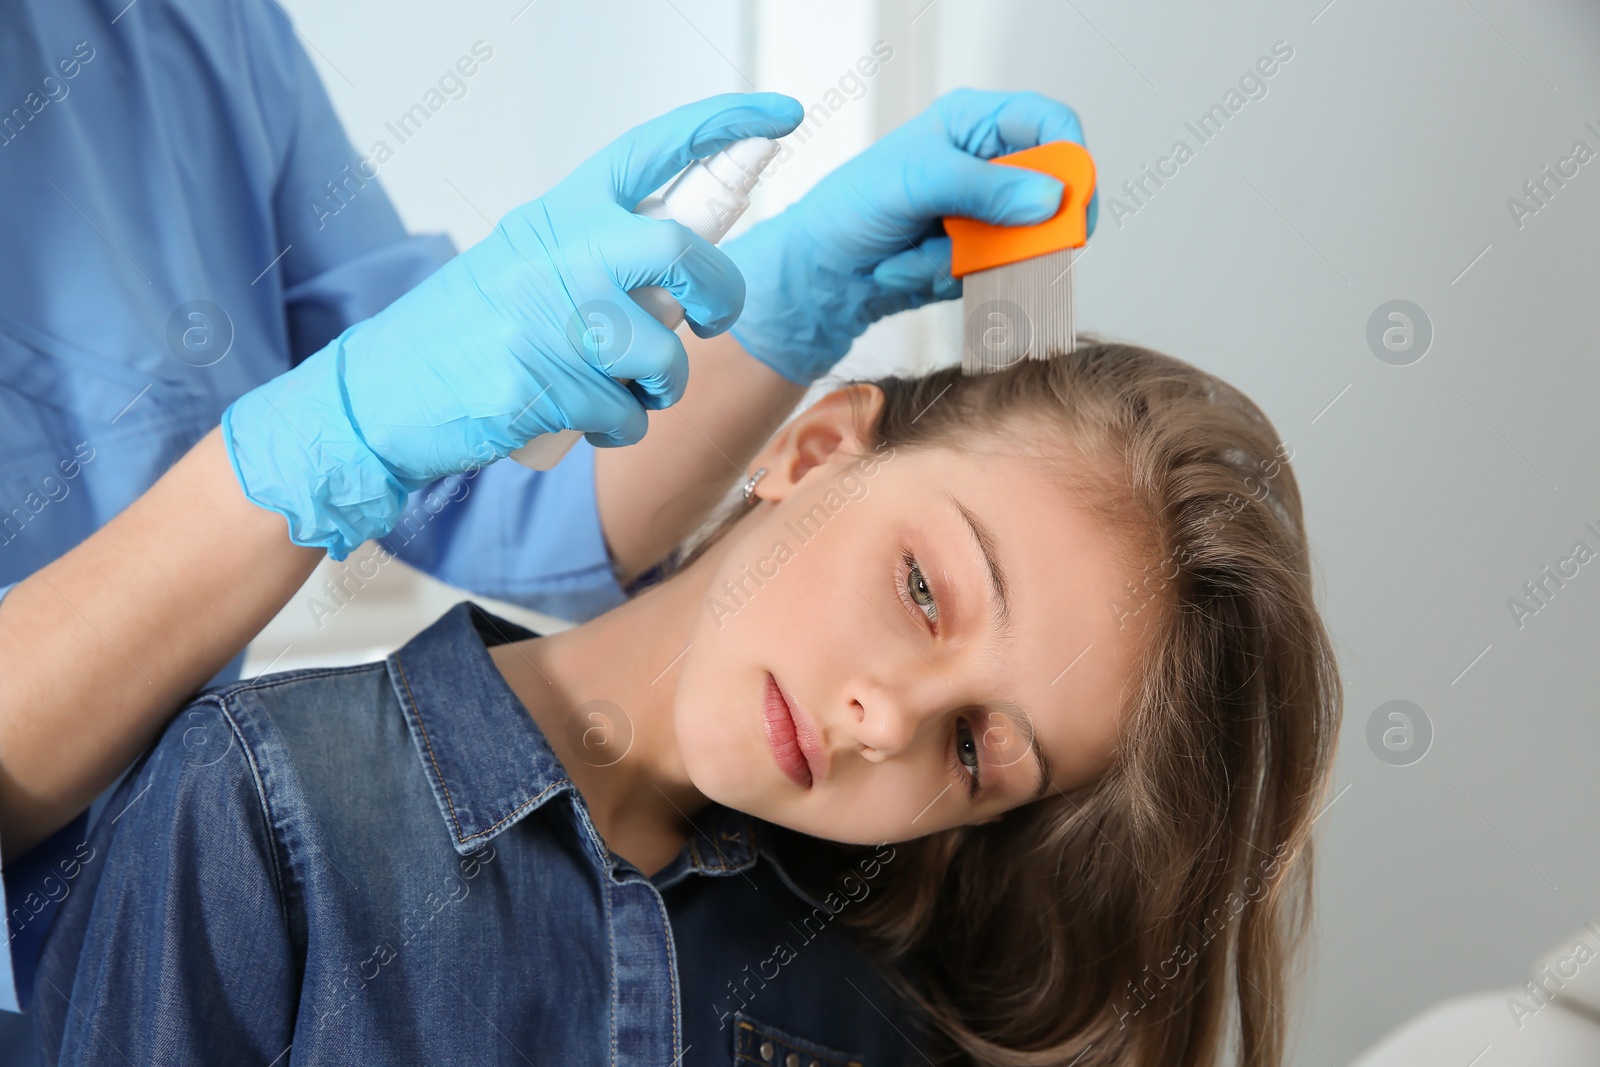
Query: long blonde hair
(1152, 916)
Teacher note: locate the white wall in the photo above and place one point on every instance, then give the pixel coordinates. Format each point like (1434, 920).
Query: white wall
(1377, 167)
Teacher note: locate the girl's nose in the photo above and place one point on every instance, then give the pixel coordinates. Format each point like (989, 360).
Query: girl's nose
(885, 717)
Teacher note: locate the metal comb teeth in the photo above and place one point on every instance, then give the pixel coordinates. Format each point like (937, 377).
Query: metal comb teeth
(1018, 311)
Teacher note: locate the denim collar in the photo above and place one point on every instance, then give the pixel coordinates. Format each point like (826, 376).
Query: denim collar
(489, 764)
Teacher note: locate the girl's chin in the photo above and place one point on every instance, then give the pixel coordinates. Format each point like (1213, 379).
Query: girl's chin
(733, 786)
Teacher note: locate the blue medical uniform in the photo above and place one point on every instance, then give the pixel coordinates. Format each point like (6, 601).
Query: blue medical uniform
(179, 223)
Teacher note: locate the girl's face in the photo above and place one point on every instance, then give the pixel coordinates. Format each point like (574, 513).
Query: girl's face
(912, 613)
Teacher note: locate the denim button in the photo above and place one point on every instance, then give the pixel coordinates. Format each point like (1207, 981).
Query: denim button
(792, 1060)
(766, 1051)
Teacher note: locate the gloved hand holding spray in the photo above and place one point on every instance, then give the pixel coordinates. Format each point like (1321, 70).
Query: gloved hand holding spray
(708, 196)
(486, 354)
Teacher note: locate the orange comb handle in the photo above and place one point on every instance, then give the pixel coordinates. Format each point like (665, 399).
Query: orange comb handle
(977, 245)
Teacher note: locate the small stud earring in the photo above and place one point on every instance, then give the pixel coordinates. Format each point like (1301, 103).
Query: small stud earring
(749, 489)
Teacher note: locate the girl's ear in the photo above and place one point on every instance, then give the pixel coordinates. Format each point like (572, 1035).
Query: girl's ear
(842, 419)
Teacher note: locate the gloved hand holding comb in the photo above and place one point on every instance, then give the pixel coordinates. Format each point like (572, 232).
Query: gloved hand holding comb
(867, 240)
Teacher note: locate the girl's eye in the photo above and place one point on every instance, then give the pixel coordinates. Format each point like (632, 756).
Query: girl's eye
(915, 590)
(965, 760)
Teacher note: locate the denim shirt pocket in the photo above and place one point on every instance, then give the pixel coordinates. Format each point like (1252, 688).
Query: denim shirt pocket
(755, 1044)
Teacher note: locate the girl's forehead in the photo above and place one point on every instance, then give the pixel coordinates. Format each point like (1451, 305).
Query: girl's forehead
(1072, 594)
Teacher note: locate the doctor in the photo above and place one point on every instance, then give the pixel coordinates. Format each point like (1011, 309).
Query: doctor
(168, 292)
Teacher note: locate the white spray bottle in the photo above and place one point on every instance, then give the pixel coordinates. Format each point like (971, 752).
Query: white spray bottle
(708, 196)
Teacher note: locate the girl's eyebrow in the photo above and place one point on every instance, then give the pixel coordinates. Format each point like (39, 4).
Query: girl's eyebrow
(1046, 776)
(999, 606)
(1046, 772)
(1000, 610)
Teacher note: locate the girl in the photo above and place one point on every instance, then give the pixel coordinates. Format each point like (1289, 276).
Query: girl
(988, 726)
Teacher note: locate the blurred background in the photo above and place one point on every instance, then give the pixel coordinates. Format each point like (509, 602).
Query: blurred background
(1388, 242)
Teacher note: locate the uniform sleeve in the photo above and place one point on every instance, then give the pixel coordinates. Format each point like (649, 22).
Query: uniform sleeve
(346, 254)
(181, 952)
(529, 537)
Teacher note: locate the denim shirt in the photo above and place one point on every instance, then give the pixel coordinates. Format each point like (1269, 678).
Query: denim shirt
(387, 864)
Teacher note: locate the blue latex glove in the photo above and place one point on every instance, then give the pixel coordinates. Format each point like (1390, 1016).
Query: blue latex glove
(522, 334)
(868, 240)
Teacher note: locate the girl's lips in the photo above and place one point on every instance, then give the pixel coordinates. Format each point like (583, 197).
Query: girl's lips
(783, 735)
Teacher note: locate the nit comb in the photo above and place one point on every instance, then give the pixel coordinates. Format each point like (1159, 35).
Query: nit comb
(1017, 280)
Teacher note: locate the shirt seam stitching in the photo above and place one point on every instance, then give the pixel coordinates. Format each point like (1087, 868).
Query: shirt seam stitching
(672, 967)
(264, 805)
(438, 772)
(455, 820)
(271, 681)
(611, 946)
